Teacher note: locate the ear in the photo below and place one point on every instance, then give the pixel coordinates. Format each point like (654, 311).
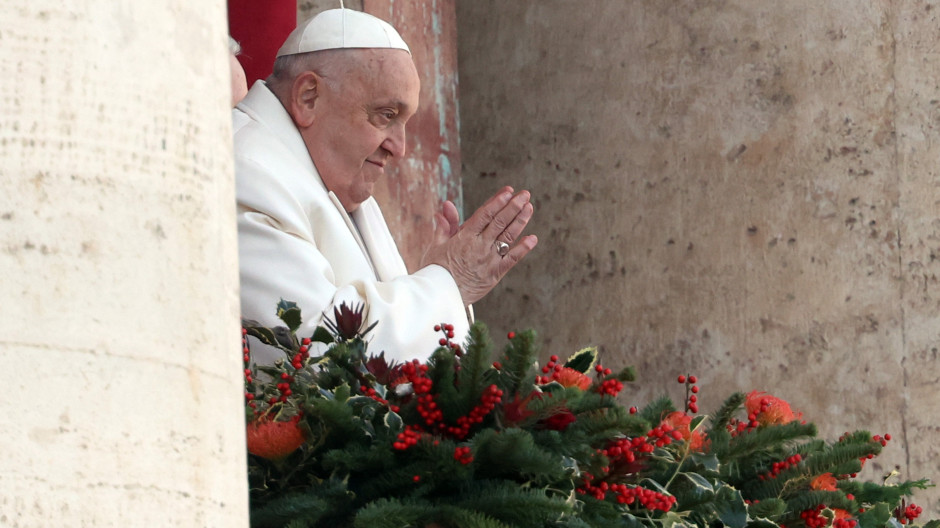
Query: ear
(303, 97)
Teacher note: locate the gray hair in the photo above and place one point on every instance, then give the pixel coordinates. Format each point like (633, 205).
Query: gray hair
(331, 65)
(234, 46)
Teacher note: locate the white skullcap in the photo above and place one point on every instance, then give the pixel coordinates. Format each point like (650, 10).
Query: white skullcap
(341, 29)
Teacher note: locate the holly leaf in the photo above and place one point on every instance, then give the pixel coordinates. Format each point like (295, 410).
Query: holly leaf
(582, 360)
(394, 422)
(730, 507)
(263, 334)
(768, 508)
(708, 461)
(322, 335)
(693, 487)
(289, 312)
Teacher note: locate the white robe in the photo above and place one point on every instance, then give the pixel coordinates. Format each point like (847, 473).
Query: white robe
(296, 242)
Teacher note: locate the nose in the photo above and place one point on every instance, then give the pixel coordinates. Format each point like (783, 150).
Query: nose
(395, 141)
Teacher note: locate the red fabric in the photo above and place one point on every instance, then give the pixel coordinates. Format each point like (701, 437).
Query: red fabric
(260, 26)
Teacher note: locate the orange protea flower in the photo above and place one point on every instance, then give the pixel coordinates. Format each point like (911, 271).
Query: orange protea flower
(682, 422)
(769, 410)
(824, 482)
(569, 377)
(274, 440)
(838, 513)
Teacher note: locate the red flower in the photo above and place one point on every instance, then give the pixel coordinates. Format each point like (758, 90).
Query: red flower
(274, 440)
(682, 422)
(769, 410)
(569, 377)
(347, 322)
(515, 411)
(385, 373)
(824, 482)
(559, 421)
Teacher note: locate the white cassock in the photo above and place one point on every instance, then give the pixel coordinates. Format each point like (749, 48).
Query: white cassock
(296, 242)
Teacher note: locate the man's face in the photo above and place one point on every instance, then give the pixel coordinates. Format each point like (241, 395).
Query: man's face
(359, 122)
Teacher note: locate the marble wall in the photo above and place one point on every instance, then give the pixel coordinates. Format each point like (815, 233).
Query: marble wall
(746, 191)
(119, 331)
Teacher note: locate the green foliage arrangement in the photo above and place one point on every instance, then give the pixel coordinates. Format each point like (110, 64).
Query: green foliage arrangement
(339, 438)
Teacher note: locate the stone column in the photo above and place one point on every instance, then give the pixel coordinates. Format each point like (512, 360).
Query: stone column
(745, 191)
(119, 335)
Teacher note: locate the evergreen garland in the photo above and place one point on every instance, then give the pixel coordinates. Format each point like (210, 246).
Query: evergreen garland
(339, 438)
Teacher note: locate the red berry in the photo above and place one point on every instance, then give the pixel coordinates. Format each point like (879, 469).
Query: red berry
(693, 379)
(694, 388)
(681, 379)
(511, 335)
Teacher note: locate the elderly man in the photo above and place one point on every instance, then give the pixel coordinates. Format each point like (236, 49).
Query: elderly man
(310, 143)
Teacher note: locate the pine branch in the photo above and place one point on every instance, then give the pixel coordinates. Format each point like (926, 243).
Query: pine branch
(718, 431)
(507, 502)
(767, 439)
(513, 454)
(518, 363)
(657, 409)
(329, 499)
(473, 367)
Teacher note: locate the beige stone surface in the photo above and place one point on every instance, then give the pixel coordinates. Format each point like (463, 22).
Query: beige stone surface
(746, 191)
(123, 392)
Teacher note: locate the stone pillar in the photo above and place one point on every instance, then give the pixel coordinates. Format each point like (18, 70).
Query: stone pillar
(746, 191)
(119, 336)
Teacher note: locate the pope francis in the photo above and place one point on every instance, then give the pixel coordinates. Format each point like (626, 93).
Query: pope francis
(310, 143)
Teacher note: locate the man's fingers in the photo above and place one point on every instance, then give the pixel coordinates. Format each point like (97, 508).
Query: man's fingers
(505, 217)
(450, 215)
(482, 217)
(514, 229)
(516, 253)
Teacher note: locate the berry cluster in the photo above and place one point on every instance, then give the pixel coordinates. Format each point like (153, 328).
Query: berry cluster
(297, 361)
(552, 368)
(844, 523)
(370, 392)
(491, 396)
(736, 427)
(813, 519)
(778, 467)
(911, 512)
(463, 455)
(430, 412)
(647, 498)
(621, 455)
(448, 331)
(249, 396)
(609, 386)
(406, 439)
(691, 392)
(283, 388)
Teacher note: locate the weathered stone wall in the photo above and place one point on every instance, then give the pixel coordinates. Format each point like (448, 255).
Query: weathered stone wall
(746, 191)
(122, 394)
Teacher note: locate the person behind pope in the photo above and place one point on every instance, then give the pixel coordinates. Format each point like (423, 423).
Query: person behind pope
(239, 82)
(310, 143)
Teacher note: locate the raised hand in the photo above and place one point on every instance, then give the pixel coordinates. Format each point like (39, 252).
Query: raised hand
(482, 250)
